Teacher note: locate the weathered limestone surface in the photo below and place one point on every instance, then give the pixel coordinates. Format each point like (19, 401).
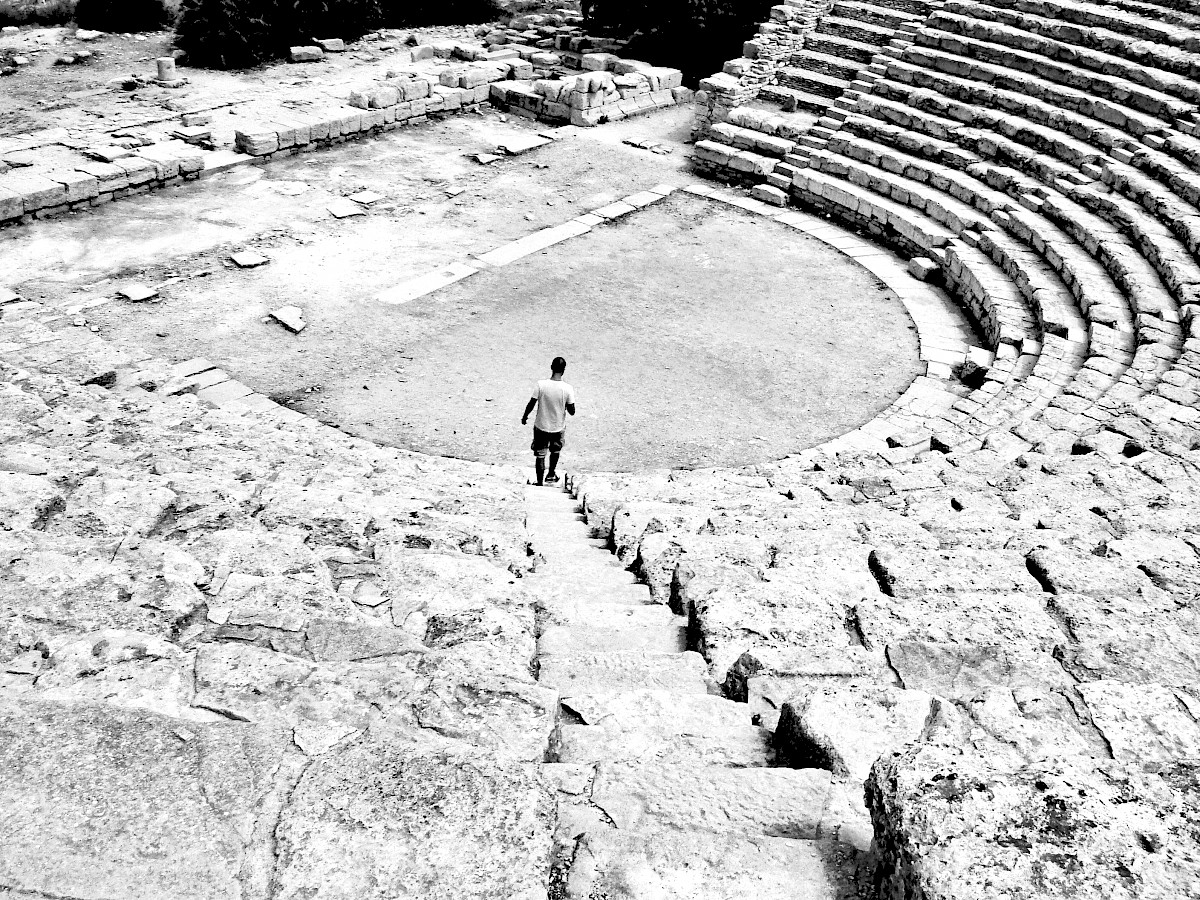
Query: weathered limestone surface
(106, 802)
(960, 827)
(954, 653)
(395, 820)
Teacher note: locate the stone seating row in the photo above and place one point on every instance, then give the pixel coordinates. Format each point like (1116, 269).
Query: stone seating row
(1100, 122)
(1179, 254)
(1001, 284)
(1148, 40)
(1108, 346)
(1126, 265)
(1151, 90)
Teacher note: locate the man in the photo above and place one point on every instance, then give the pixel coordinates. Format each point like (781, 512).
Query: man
(554, 399)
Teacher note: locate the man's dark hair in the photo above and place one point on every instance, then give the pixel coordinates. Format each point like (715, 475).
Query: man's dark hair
(559, 365)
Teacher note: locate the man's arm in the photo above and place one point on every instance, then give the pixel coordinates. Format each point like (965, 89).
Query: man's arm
(571, 408)
(529, 408)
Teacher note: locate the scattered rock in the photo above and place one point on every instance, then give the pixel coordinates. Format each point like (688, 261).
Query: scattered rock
(922, 268)
(521, 143)
(191, 120)
(366, 198)
(108, 154)
(291, 318)
(306, 54)
(137, 293)
(249, 260)
(85, 34)
(343, 208)
(331, 45)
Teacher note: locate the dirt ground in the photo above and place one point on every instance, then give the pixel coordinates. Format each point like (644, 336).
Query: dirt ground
(42, 96)
(697, 334)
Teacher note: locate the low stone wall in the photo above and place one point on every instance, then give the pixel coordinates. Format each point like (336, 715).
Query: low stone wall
(625, 88)
(24, 197)
(762, 58)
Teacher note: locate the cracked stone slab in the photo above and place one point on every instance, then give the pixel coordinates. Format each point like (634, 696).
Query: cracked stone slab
(105, 802)
(697, 866)
(1143, 723)
(953, 825)
(775, 802)
(599, 674)
(847, 728)
(385, 821)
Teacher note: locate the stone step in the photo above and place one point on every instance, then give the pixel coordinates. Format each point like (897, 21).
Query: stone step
(856, 29)
(812, 82)
(748, 139)
(660, 710)
(790, 99)
(773, 802)
(557, 587)
(573, 639)
(745, 746)
(815, 60)
(775, 122)
(694, 865)
(875, 13)
(609, 615)
(845, 48)
(605, 674)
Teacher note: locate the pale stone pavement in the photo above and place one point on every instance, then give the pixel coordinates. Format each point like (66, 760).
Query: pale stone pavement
(665, 788)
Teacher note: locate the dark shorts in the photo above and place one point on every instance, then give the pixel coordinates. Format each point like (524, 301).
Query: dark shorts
(547, 441)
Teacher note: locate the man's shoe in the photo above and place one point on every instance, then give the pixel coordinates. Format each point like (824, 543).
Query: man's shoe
(552, 479)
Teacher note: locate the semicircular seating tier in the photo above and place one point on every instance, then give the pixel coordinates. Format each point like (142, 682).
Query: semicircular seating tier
(1043, 154)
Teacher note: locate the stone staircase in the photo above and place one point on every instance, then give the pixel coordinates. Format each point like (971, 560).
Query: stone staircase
(788, 93)
(666, 788)
(845, 41)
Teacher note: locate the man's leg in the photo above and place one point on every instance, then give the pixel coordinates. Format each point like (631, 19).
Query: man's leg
(539, 454)
(555, 448)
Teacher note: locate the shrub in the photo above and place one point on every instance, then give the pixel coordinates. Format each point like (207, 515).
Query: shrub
(227, 34)
(122, 15)
(302, 21)
(418, 13)
(696, 36)
(36, 12)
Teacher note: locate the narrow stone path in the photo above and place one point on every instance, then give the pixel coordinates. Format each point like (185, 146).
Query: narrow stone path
(666, 789)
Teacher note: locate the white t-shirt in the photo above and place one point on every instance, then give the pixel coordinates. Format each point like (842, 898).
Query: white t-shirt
(552, 397)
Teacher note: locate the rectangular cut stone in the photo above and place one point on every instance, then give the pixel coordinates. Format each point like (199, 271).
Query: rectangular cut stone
(710, 865)
(223, 392)
(138, 170)
(603, 674)
(191, 367)
(79, 185)
(12, 204)
(257, 142)
(426, 284)
(780, 802)
(38, 191)
(532, 243)
(613, 210)
(87, 788)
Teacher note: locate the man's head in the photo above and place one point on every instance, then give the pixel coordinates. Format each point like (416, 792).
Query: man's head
(558, 366)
